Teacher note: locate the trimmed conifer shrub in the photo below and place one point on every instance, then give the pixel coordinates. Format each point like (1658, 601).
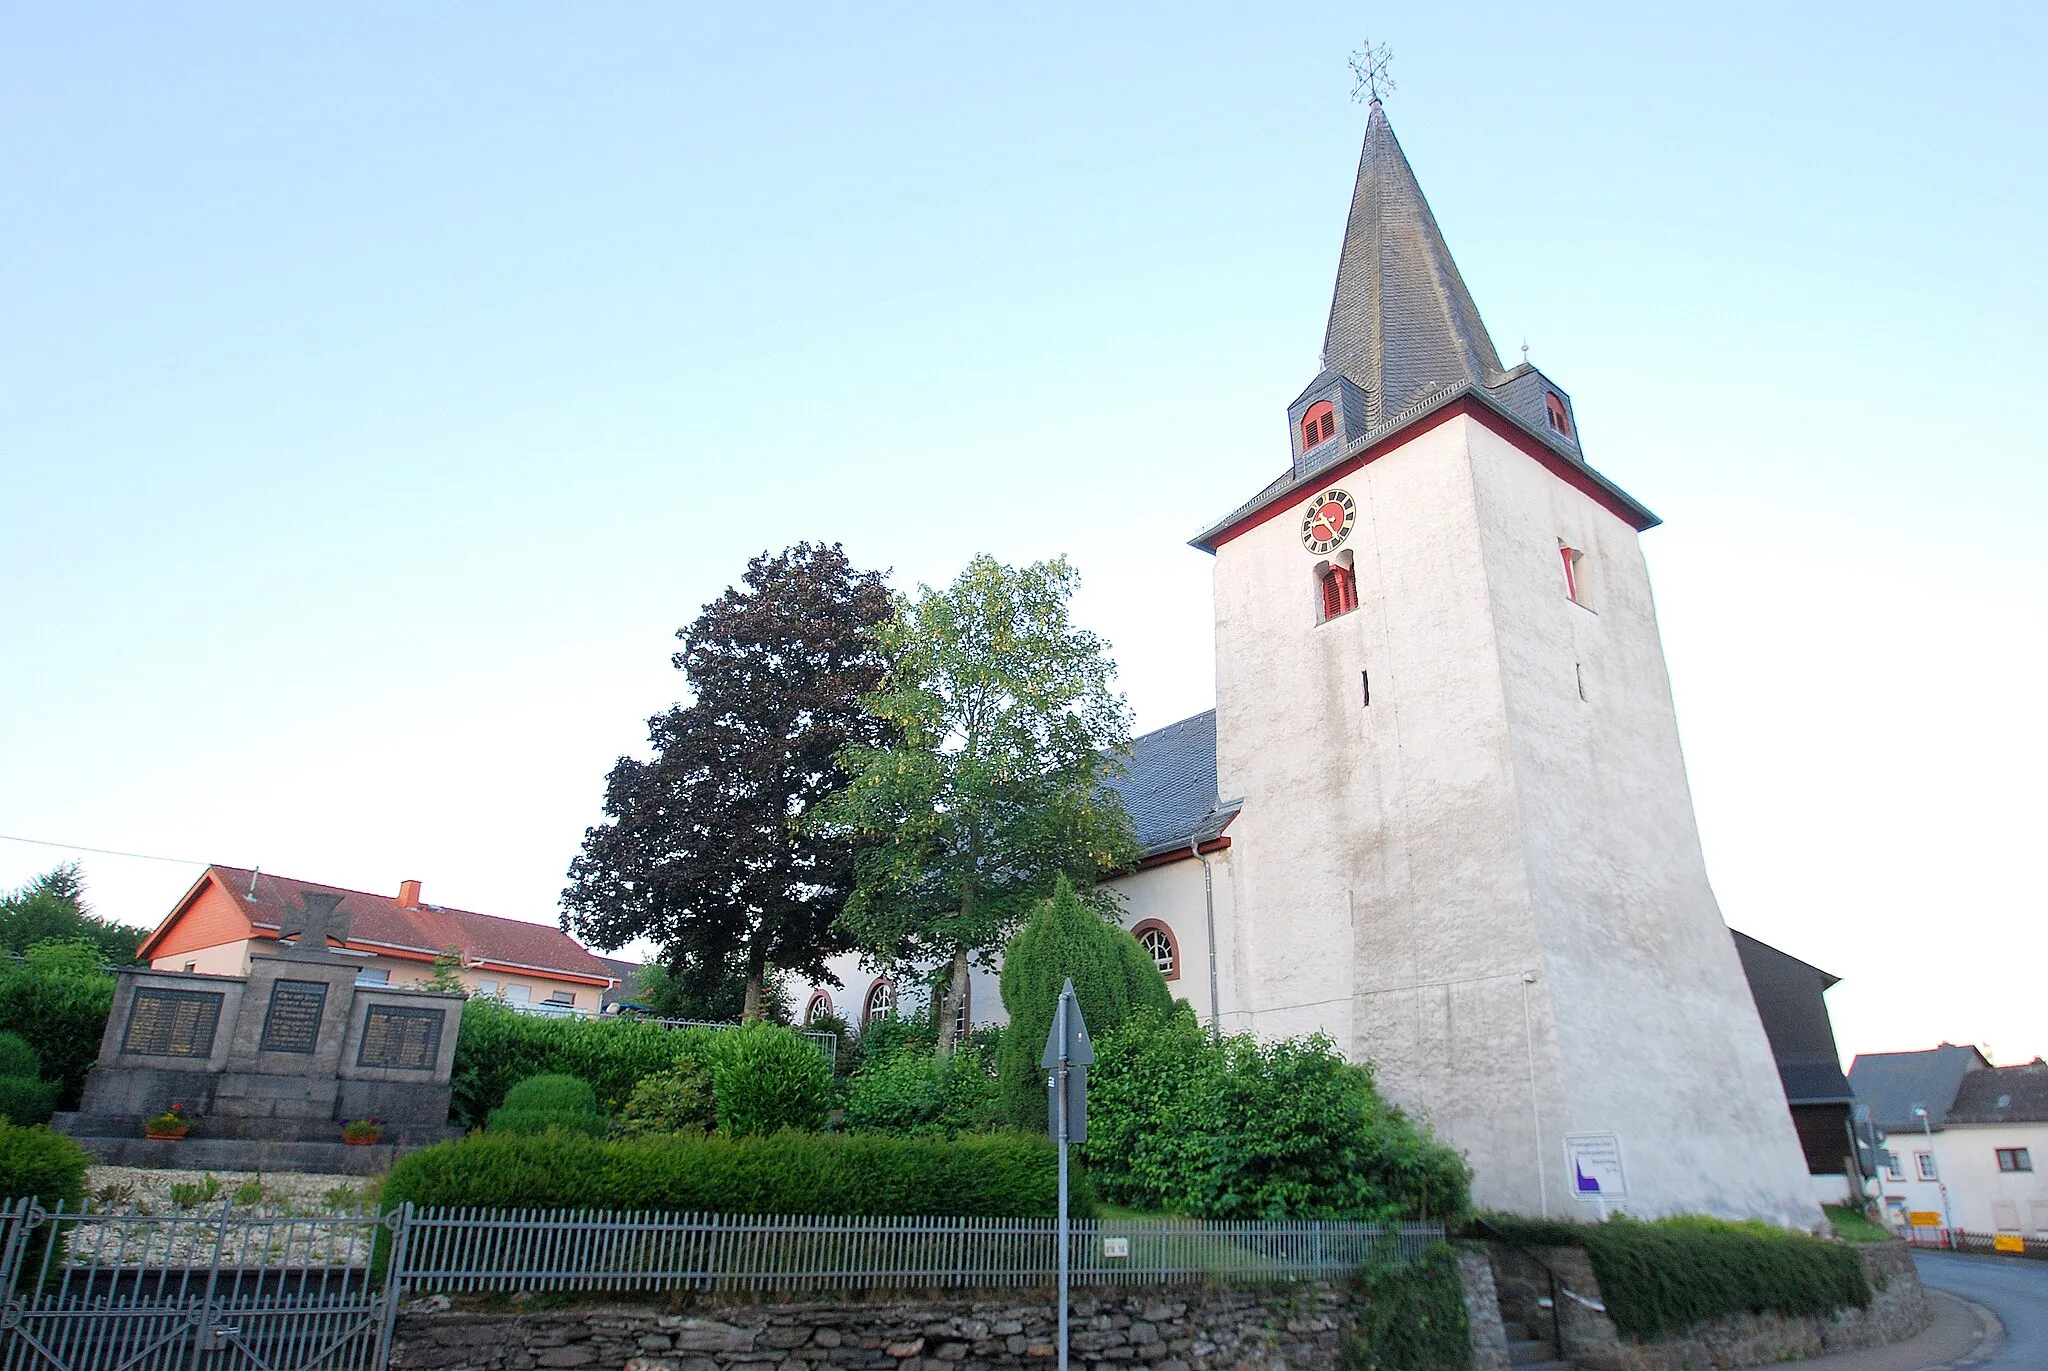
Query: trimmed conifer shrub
(42, 1163)
(18, 1059)
(1113, 978)
(1001, 1175)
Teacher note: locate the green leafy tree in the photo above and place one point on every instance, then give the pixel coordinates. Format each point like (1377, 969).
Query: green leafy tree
(706, 849)
(1113, 978)
(52, 907)
(1003, 725)
(446, 977)
(58, 999)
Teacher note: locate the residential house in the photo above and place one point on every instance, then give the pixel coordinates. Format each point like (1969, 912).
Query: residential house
(1789, 999)
(1961, 1138)
(229, 910)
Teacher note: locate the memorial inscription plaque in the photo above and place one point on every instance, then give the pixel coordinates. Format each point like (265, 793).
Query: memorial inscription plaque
(292, 1023)
(172, 1023)
(408, 1039)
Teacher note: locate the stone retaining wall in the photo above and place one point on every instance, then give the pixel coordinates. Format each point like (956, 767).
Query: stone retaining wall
(1295, 1328)
(1898, 1309)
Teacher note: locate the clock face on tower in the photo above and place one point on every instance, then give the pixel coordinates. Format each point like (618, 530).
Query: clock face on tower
(1328, 520)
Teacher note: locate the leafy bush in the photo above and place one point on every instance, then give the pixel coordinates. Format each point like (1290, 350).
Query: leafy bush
(844, 1058)
(765, 1078)
(1004, 1175)
(499, 1047)
(925, 1096)
(38, 1162)
(1411, 1316)
(540, 1103)
(24, 1100)
(568, 1094)
(890, 1037)
(17, 1058)
(1663, 1277)
(1113, 977)
(58, 999)
(674, 1101)
(1240, 1129)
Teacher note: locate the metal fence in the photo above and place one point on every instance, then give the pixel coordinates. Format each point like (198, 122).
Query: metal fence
(455, 1250)
(194, 1290)
(217, 1289)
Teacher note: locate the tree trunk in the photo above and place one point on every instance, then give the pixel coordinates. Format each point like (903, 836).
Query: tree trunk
(956, 995)
(757, 976)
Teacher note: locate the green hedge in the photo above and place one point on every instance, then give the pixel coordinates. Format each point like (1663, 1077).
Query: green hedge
(1003, 1175)
(925, 1096)
(58, 1000)
(1411, 1316)
(1663, 1277)
(500, 1047)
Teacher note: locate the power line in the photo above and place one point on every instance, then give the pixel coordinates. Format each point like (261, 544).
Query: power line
(102, 851)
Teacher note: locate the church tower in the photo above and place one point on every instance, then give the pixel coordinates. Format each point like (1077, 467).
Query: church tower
(1464, 844)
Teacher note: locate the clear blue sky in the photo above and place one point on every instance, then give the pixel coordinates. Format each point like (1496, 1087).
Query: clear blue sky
(381, 386)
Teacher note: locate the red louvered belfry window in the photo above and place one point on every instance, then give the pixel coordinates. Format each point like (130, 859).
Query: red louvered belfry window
(1340, 592)
(1318, 425)
(1553, 409)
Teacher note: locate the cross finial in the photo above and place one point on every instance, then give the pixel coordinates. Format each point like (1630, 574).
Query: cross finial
(1369, 79)
(314, 923)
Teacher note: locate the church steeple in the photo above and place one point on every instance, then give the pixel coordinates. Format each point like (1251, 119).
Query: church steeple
(1402, 322)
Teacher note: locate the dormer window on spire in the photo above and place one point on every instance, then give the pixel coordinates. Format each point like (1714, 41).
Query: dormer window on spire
(1553, 410)
(1319, 425)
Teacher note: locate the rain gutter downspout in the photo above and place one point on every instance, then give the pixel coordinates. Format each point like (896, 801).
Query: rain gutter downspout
(1209, 906)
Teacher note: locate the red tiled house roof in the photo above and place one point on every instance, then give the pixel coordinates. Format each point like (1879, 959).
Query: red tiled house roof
(229, 903)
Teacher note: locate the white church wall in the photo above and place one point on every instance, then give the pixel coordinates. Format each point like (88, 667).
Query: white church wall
(1658, 1033)
(856, 978)
(1171, 893)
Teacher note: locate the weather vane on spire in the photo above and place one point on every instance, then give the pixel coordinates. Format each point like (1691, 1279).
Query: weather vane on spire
(1369, 79)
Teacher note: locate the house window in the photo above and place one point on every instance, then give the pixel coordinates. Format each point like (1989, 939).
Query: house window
(1893, 1167)
(880, 1002)
(191, 966)
(2015, 1159)
(1923, 1163)
(515, 994)
(963, 1020)
(486, 987)
(373, 975)
(1157, 940)
(1340, 592)
(817, 1007)
(1574, 573)
(1319, 425)
(1553, 410)
(565, 999)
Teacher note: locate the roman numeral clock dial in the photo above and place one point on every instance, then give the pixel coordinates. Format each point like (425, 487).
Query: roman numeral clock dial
(1328, 521)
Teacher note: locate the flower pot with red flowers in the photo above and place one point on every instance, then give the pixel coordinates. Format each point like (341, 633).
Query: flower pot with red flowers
(168, 1126)
(362, 1132)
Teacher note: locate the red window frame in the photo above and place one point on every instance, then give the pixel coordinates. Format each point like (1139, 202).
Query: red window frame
(1554, 410)
(811, 1006)
(1319, 425)
(868, 1005)
(1340, 592)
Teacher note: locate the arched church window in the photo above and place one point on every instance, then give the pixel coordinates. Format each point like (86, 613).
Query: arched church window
(880, 1002)
(1318, 425)
(1157, 940)
(1553, 409)
(1340, 592)
(819, 1005)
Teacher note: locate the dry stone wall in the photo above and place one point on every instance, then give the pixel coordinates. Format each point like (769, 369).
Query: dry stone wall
(1293, 1328)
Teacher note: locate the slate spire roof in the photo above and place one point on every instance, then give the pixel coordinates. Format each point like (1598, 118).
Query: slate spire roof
(1401, 320)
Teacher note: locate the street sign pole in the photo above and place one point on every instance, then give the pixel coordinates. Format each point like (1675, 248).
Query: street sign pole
(1067, 1057)
(1066, 1223)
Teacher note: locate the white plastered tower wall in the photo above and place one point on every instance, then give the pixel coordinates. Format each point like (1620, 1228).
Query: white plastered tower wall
(1488, 886)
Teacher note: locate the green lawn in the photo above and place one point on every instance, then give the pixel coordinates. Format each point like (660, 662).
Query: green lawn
(1852, 1226)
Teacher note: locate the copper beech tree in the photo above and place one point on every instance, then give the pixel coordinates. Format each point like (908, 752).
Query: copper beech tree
(706, 849)
(1002, 726)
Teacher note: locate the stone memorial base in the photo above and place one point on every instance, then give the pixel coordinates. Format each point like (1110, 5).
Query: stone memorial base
(269, 1066)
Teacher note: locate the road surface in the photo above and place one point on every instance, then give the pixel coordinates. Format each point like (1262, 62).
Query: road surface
(2015, 1289)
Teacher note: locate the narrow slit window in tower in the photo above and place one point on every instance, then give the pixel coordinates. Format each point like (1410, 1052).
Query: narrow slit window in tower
(1574, 580)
